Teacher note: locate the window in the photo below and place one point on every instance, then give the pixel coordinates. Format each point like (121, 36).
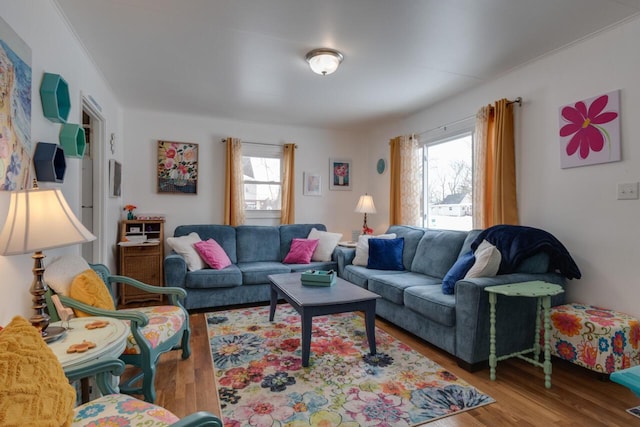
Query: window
(448, 178)
(262, 172)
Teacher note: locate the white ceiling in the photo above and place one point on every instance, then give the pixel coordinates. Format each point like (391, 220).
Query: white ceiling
(244, 59)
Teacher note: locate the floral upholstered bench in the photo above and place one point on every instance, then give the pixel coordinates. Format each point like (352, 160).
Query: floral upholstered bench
(596, 338)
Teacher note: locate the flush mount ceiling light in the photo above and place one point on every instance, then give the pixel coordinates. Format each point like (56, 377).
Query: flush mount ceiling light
(324, 60)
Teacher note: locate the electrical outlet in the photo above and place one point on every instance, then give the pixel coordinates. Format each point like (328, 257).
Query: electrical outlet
(628, 191)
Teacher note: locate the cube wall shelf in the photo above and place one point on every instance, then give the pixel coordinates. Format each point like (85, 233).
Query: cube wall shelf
(49, 162)
(54, 94)
(72, 140)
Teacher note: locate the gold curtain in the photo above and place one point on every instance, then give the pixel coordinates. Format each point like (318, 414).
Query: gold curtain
(494, 182)
(287, 214)
(405, 170)
(233, 185)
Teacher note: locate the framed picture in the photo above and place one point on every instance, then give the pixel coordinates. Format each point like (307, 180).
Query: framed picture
(15, 102)
(115, 178)
(177, 167)
(340, 174)
(312, 185)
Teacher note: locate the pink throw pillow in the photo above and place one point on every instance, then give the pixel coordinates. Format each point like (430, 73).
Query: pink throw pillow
(213, 254)
(301, 251)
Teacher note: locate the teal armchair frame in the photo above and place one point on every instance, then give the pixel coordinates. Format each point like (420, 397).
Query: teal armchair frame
(144, 382)
(104, 369)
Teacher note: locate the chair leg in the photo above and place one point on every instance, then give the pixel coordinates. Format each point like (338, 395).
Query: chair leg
(186, 343)
(148, 383)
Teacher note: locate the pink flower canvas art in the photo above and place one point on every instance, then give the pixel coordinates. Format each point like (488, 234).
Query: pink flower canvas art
(590, 131)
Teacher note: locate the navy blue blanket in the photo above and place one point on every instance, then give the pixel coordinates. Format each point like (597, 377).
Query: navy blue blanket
(517, 243)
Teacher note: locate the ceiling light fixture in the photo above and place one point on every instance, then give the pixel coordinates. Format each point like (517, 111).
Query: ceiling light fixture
(324, 60)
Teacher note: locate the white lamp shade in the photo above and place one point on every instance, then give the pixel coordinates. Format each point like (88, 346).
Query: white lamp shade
(365, 205)
(40, 219)
(324, 61)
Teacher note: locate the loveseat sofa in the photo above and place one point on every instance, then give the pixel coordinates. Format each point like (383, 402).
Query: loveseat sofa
(413, 298)
(255, 252)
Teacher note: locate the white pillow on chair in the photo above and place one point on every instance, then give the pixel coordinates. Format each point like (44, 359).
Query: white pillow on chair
(62, 270)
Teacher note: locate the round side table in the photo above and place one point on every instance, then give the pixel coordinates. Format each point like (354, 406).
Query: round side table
(110, 341)
(535, 289)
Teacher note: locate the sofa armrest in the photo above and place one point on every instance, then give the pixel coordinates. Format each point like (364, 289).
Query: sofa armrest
(344, 256)
(175, 270)
(515, 316)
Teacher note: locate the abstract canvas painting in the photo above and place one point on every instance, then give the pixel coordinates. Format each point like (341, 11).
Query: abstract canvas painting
(15, 110)
(590, 131)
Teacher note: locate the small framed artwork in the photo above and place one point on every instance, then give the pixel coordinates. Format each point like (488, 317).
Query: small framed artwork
(177, 167)
(340, 174)
(312, 185)
(115, 178)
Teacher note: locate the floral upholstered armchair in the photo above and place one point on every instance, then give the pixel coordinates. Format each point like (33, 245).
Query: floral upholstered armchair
(154, 330)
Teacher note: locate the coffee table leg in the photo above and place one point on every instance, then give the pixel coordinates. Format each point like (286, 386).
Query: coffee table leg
(370, 324)
(274, 302)
(306, 338)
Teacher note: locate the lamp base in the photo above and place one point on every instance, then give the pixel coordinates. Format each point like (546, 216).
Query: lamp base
(54, 333)
(40, 320)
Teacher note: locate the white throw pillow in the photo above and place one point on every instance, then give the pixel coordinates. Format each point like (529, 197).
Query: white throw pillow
(327, 242)
(184, 246)
(362, 247)
(487, 262)
(62, 270)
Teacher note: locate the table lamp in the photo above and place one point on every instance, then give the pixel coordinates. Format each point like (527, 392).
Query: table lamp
(40, 219)
(365, 205)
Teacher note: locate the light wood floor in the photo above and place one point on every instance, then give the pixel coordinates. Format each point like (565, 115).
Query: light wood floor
(577, 397)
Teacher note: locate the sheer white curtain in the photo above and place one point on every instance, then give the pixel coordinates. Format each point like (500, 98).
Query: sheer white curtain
(406, 181)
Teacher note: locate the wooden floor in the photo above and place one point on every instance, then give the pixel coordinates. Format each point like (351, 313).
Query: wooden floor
(577, 397)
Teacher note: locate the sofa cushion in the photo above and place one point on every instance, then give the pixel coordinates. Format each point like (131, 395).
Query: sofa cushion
(386, 254)
(213, 254)
(437, 251)
(327, 243)
(487, 261)
(62, 270)
(431, 303)
(301, 251)
(288, 232)
(535, 264)
(227, 277)
(391, 286)
(412, 236)
(257, 243)
(362, 247)
(256, 273)
(184, 246)
(225, 235)
(360, 276)
(457, 272)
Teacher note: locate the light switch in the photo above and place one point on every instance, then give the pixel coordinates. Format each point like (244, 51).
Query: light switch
(628, 191)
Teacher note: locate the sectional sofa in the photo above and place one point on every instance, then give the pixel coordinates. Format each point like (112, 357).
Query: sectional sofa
(255, 252)
(459, 323)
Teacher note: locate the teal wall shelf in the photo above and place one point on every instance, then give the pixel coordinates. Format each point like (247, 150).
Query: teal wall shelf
(54, 94)
(49, 162)
(72, 140)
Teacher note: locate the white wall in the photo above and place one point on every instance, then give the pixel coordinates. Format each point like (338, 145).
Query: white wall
(55, 49)
(576, 205)
(315, 146)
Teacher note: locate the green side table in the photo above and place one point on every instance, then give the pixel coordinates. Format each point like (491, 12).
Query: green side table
(535, 289)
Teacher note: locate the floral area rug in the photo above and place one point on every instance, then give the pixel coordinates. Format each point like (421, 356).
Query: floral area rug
(261, 381)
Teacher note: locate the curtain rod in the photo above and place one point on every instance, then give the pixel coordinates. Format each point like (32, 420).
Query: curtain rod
(223, 140)
(518, 101)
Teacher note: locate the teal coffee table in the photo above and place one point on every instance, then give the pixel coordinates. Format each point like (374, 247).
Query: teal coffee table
(543, 291)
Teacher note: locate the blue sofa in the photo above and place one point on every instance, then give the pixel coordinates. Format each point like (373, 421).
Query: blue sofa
(459, 323)
(255, 253)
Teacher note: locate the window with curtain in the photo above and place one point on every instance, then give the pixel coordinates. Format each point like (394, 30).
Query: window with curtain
(262, 173)
(448, 178)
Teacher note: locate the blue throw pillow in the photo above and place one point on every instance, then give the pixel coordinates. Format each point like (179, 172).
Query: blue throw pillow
(457, 272)
(386, 254)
